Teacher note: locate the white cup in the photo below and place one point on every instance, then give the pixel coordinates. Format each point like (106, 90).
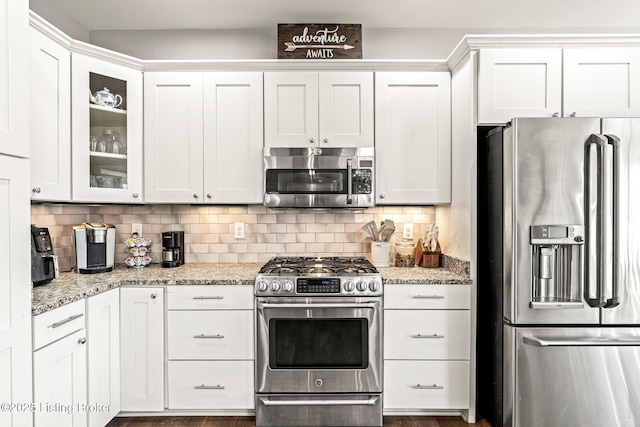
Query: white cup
(380, 254)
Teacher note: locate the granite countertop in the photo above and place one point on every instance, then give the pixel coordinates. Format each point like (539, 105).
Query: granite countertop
(70, 287)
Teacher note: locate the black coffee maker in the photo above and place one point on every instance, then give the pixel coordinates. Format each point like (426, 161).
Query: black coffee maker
(172, 248)
(44, 264)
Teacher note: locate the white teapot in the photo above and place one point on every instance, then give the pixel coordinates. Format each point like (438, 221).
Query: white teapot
(105, 97)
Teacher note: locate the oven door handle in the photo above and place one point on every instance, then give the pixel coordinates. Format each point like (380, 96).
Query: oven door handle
(324, 402)
(365, 304)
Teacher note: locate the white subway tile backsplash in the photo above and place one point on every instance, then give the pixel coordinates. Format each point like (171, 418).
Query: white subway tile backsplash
(209, 230)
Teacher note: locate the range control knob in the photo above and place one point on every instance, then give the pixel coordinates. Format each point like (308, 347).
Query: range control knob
(374, 286)
(349, 286)
(263, 286)
(287, 286)
(275, 286)
(361, 285)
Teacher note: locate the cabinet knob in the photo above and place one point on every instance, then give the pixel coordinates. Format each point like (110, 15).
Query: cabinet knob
(382, 196)
(195, 196)
(135, 195)
(36, 190)
(311, 140)
(82, 340)
(325, 140)
(209, 196)
(573, 114)
(556, 115)
(154, 296)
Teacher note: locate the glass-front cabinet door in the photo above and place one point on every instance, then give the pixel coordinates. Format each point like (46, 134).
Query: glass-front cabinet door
(106, 131)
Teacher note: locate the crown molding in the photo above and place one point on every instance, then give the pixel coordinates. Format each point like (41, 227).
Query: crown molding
(470, 42)
(298, 65)
(522, 41)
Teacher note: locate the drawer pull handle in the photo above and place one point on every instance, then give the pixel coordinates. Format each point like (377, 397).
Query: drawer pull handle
(208, 336)
(67, 320)
(428, 387)
(429, 296)
(204, 297)
(209, 387)
(428, 336)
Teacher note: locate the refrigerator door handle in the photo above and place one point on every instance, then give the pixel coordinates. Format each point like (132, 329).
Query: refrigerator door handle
(595, 290)
(614, 301)
(593, 341)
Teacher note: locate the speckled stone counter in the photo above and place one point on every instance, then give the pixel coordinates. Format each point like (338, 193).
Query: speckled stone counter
(71, 287)
(419, 275)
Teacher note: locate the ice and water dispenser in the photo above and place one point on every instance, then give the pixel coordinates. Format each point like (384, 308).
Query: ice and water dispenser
(558, 266)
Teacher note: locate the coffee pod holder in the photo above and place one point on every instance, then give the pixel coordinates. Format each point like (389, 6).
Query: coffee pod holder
(138, 251)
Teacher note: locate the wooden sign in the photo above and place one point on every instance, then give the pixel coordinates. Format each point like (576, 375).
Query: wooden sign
(319, 41)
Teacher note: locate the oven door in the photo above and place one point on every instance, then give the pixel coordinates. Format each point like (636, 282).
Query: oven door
(319, 345)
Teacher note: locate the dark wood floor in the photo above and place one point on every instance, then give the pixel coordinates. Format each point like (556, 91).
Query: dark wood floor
(251, 422)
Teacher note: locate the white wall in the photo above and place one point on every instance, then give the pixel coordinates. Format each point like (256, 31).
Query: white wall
(262, 43)
(52, 13)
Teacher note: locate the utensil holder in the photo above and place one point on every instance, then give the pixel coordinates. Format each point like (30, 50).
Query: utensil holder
(380, 254)
(425, 258)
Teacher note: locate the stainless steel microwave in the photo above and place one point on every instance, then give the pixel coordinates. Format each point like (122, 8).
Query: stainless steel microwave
(319, 177)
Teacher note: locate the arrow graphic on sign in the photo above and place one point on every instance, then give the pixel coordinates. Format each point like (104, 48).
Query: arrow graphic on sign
(292, 46)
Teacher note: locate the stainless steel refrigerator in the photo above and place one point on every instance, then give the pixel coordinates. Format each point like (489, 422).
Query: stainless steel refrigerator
(559, 273)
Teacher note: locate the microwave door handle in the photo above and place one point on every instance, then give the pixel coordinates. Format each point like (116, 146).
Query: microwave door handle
(595, 160)
(349, 181)
(614, 211)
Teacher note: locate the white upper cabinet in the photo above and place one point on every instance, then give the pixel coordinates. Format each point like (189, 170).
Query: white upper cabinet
(413, 138)
(318, 109)
(570, 82)
(519, 83)
(173, 137)
(203, 137)
(50, 116)
(111, 172)
(14, 78)
(233, 137)
(602, 82)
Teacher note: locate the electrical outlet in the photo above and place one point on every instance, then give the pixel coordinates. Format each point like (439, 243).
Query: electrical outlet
(238, 230)
(407, 231)
(136, 228)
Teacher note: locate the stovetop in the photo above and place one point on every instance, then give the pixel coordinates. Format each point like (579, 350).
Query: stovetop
(315, 276)
(335, 266)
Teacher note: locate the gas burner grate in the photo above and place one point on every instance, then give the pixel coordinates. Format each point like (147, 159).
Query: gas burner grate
(319, 265)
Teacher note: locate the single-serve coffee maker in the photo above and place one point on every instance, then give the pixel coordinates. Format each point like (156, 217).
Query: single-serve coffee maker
(44, 264)
(172, 248)
(95, 245)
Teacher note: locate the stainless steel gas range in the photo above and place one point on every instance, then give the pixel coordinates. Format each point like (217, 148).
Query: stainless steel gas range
(319, 342)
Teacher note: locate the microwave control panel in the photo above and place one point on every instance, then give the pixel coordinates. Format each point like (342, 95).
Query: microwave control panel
(362, 181)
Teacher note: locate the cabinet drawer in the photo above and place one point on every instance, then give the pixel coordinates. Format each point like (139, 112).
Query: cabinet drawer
(60, 322)
(417, 384)
(213, 334)
(426, 334)
(453, 297)
(211, 385)
(212, 297)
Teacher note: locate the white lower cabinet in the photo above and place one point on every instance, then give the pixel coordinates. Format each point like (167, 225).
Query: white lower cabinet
(427, 348)
(103, 357)
(210, 337)
(60, 367)
(426, 384)
(211, 384)
(142, 349)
